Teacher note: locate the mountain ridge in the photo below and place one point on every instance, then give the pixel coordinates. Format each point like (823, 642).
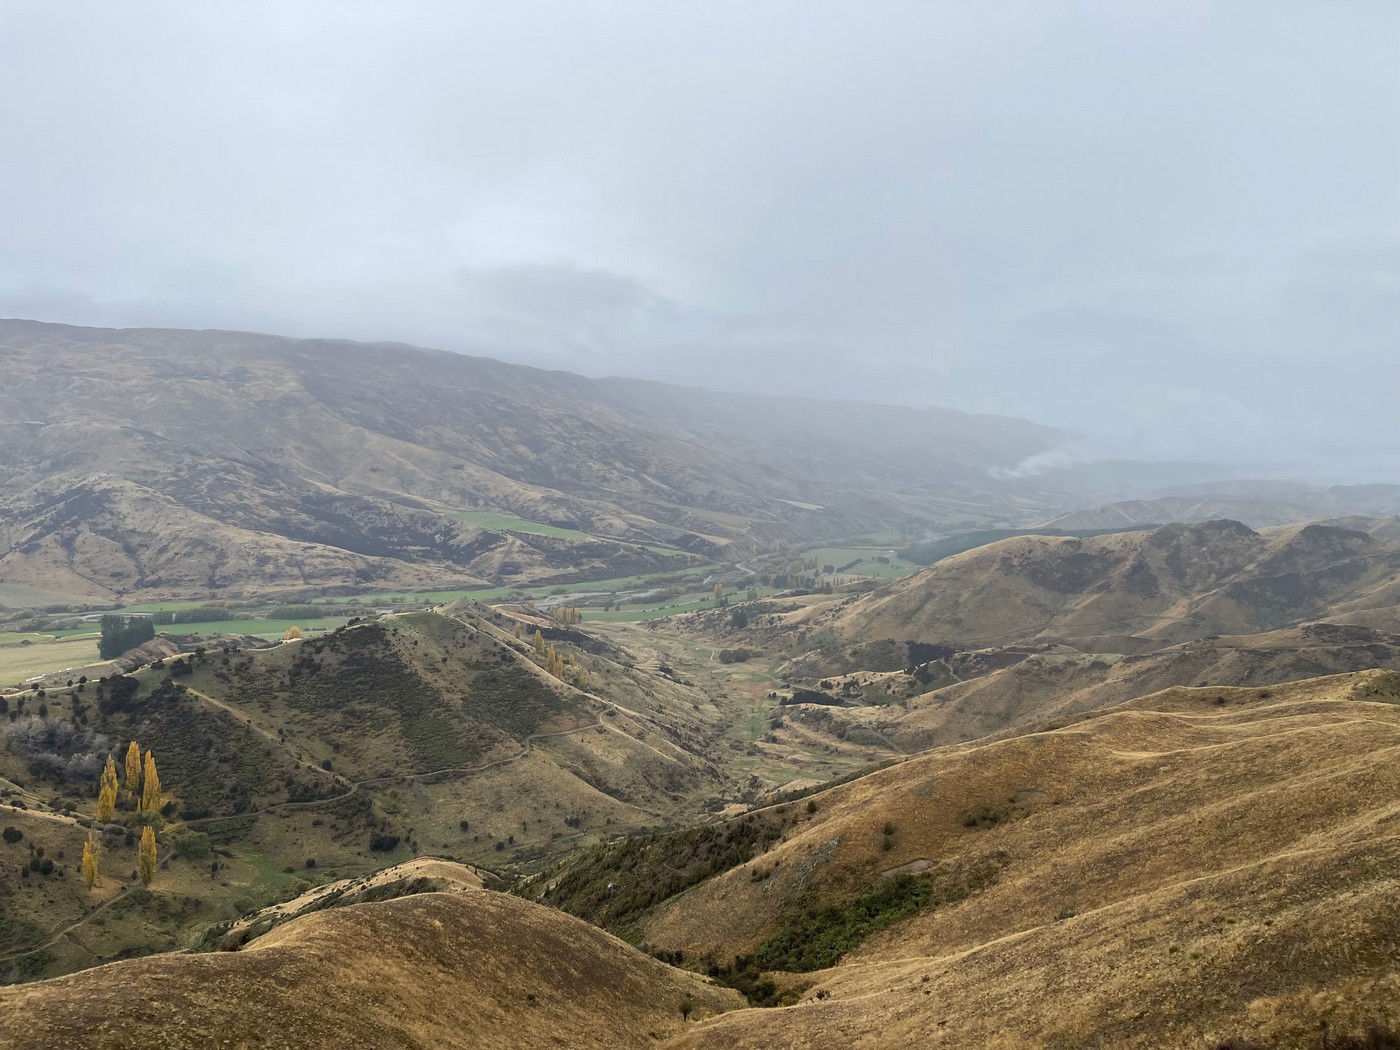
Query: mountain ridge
(351, 464)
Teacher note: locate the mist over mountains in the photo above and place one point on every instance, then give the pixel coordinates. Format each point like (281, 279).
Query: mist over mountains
(790, 525)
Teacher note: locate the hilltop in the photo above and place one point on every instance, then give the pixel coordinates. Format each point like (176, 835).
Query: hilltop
(468, 968)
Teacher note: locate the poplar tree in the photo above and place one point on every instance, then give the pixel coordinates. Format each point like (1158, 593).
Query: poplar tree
(133, 769)
(90, 862)
(150, 786)
(517, 630)
(539, 642)
(146, 855)
(107, 791)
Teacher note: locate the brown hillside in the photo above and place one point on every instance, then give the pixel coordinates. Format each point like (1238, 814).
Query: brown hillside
(327, 757)
(1278, 508)
(1168, 585)
(167, 463)
(1193, 865)
(1012, 688)
(472, 970)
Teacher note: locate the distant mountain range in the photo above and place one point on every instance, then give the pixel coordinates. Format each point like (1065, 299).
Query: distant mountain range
(1272, 507)
(157, 463)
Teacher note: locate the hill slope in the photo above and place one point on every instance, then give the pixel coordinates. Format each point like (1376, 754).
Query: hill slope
(1141, 589)
(1014, 688)
(328, 757)
(178, 463)
(1131, 881)
(470, 969)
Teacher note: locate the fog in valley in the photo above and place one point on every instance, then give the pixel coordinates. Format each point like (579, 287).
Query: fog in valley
(1171, 228)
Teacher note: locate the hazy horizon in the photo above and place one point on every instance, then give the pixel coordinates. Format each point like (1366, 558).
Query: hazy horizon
(1170, 227)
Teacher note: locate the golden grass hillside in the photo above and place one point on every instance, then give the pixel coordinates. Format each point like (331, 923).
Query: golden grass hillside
(475, 970)
(1040, 683)
(1190, 866)
(1132, 592)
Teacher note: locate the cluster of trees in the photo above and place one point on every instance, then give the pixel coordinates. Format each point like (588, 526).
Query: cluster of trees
(556, 664)
(121, 632)
(568, 614)
(560, 669)
(139, 788)
(199, 614)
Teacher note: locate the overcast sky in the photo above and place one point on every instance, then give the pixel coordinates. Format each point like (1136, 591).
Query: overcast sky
(1172, 227)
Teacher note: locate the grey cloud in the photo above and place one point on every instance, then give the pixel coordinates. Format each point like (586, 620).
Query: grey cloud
(1168, 226)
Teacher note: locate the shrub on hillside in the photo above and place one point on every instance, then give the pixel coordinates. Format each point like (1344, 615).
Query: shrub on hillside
(56, 748)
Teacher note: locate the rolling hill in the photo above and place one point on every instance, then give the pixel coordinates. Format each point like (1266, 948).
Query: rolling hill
(283, 767)
(1131, 880)
(1135, 591)
(467, 968)
(1015, 688)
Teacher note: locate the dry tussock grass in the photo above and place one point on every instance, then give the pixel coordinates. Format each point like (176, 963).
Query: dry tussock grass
(1195, 869)
(473, 969)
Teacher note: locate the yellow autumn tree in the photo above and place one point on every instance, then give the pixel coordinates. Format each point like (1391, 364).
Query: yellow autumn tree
(133, 769)
(107, 791)
(150, 784)
(517, 630)
(291, 634)
(90, 862)
(539, 642)
(146, 856)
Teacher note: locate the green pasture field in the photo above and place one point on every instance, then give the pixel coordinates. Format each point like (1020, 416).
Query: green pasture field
(177, 606)
(270, 629)
(637, 613)
(15, 637)
(839, 556)
(18, 662)
(77, 647)
(633, 613)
